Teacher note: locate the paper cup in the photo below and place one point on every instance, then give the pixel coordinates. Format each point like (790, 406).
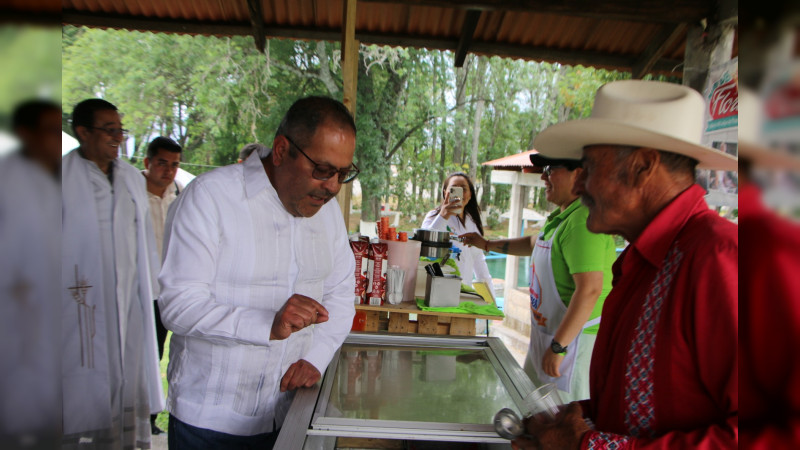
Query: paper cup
(406, 256)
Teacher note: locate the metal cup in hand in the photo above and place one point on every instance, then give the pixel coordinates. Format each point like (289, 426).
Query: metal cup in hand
(508, 424)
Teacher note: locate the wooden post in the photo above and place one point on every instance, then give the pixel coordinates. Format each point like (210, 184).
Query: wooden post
(695, 64)
(349, 47)
(348, 39)
(517, 203)
(710, 46)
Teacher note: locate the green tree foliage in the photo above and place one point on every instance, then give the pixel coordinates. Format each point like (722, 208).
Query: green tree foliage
(188, 88)
(31, 66)
(418, 117)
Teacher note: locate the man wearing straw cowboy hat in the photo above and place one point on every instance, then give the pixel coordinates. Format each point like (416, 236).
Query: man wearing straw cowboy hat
(664, 371)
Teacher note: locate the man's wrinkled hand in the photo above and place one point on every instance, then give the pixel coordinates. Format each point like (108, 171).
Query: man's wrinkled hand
(298, 312)
(300, 374)
(566, 432)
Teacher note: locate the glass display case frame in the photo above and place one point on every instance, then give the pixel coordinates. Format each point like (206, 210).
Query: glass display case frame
(308, 424)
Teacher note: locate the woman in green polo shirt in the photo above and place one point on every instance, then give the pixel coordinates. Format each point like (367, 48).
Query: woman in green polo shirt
(570, 279)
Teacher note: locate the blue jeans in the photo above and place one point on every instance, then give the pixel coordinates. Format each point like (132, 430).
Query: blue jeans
(182, 436)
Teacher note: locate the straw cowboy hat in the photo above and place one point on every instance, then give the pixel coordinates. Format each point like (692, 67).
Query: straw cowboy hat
(653, 114)
(751, 140)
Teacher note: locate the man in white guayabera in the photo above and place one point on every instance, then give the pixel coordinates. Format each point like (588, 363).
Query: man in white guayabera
(257, 283)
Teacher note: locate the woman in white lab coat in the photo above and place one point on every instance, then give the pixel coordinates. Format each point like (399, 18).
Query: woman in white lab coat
(461, 216)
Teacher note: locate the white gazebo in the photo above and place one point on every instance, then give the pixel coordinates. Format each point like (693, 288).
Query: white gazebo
(528, 216)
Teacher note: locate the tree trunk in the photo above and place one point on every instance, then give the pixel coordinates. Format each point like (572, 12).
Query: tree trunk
(324, 69)
(461, 97)
(372, 208)
(442, 160)
(442, 144)
(476, 124)
(543, 106)
(486, 180)
(412, 196)
(370, 205)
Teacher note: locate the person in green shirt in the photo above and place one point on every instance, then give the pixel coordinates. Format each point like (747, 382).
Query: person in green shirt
(570, 279)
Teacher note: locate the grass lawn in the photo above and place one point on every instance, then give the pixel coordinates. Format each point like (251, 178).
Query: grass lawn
(163, 417)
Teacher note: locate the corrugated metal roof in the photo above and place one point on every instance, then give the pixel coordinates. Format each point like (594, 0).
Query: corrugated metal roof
(613, 34)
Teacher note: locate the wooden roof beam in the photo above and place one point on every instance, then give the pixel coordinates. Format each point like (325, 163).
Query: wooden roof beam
(334, 35)
(572, 57)
(73, 17)
(257, 20)
(658, 11)
(660, 43)
(467, 32)
(16, 17)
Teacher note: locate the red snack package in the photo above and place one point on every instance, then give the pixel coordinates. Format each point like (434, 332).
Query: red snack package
(360, 252)
(378, 265)
(359, 321)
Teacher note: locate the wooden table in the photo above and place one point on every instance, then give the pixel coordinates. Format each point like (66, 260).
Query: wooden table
(395, 319)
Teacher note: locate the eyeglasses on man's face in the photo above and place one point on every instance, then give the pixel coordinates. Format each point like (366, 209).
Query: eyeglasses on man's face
(111, 131)
(324, 172)
(550, 168)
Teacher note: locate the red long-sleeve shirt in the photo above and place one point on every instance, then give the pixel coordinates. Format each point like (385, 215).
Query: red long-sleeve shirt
(664, 372)
(770, 368)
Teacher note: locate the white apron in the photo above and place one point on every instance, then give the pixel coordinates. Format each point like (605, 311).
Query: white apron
(547, 312)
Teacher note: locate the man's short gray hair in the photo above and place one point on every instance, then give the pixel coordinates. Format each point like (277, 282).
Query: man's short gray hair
(674, 162)
(677, 163)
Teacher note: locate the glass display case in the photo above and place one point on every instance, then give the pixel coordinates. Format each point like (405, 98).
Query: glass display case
(408, 387)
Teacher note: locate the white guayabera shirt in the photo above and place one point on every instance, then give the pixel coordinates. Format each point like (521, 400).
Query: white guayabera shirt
(234, 256)
(30, 239)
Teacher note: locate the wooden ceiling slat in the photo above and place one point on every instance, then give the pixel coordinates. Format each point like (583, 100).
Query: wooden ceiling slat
(590, 33)
(489, 27)
(188, 10)
(281, 12)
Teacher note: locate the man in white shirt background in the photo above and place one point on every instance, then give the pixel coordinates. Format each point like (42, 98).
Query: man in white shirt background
(160, 167)
(30, 239)
(257, 282)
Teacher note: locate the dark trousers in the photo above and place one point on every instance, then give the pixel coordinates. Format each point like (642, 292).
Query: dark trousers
(161, 332)
(182, 436)
(161, 337)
